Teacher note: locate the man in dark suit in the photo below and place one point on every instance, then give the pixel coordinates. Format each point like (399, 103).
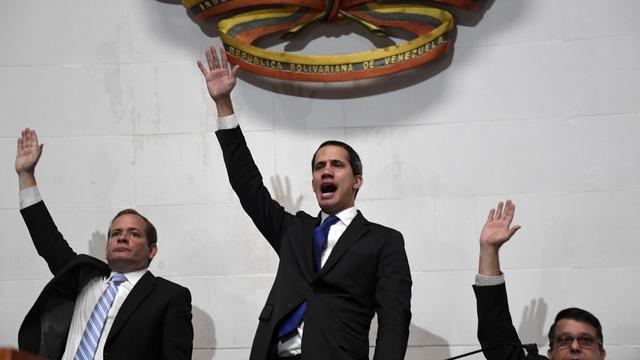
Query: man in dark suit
(574, 334)
(95, 310)
(325, 294)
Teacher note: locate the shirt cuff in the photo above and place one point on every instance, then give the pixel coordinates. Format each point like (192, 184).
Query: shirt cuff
(484, 280)
(227, 122)
(29, 196)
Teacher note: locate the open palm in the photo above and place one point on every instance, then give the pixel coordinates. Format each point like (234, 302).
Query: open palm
(28, 152)
(220, 81)
(498, 230)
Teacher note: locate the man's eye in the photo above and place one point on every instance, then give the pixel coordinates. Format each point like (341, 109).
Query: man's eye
(586, 340)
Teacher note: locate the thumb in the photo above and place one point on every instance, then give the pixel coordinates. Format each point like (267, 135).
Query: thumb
(513, 230)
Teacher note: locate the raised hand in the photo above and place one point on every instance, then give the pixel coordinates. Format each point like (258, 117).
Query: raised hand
(27, 156)
(498, 230)
(220, 81)
(28, 152)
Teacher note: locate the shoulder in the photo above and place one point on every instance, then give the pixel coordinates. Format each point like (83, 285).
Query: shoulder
(385, 229)
(84, 262)
(303, 216)
(169, 286)
(379, 229)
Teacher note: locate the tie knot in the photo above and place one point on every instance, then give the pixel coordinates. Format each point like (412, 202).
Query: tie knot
(118, 278)
(328, 222)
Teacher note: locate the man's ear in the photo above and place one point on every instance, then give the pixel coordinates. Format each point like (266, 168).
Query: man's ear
(153, 250)
(358, 182)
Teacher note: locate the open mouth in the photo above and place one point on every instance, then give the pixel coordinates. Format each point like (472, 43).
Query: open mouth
(328, 188)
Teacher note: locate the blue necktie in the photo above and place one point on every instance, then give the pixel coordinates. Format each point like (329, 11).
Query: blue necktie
(320, 234)
(91, 336)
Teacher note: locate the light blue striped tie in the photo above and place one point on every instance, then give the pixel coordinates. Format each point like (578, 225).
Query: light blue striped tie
(91, 336)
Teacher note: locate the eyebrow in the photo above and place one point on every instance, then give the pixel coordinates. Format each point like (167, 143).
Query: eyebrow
(127, 229)
(580, 334)
(330, 161)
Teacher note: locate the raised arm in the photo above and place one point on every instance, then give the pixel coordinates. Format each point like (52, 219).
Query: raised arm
(495, 326)
(245, 178)
(220, 80)
(27, 156)
(48, 241)
(496, 231)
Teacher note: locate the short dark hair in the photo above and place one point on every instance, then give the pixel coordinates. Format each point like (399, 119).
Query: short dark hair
(580, 315)
(149, 229)
(354, 158)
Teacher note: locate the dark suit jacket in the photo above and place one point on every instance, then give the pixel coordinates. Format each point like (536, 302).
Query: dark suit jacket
(154, 322)
(366, 272)
(495, 325)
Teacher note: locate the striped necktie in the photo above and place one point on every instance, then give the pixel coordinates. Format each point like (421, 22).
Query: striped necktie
(91, 336)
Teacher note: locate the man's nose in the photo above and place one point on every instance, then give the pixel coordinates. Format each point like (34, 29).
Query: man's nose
(327, 171)
(123, 238)
(575, 346)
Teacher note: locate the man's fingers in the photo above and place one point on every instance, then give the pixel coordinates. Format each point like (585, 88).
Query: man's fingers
(235, 69)
(203, 70)
(510, 211)
(27, 138)
(499, 210)
(491, 214)
(209, 57)
(214, 55)
(223, 59)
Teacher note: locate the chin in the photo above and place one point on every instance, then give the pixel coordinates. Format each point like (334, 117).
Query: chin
(327, 207)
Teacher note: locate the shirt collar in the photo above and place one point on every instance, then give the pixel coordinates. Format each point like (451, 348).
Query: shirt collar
(346, 215)
(133, 276)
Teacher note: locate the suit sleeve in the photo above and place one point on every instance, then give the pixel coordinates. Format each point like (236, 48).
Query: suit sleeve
(270, 218)
(495, 325)
(393, 300)
(48, 241)
(178, 329)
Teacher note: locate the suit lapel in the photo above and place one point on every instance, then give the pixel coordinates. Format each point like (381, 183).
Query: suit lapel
(303, 249)
(354, 232)
(140, 291)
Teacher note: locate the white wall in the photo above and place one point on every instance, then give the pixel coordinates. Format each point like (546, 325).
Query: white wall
(540, 104)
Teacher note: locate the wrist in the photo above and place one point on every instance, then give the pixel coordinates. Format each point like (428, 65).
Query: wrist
(489, 249)
(26, 180)
(224, 106)
(489, 262)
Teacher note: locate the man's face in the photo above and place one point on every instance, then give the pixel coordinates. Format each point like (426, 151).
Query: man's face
(127, 248)
(333, 181)
(573, 350)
